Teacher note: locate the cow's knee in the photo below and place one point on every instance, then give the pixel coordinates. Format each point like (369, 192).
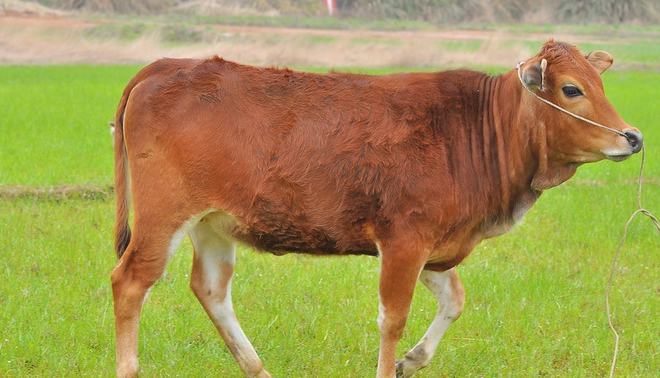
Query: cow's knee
(391, 323)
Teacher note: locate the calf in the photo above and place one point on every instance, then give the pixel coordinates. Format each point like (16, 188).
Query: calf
(414, 168)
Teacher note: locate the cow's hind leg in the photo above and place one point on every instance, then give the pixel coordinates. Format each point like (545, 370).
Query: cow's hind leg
(213, 266)
(139, 268)
(448, 290)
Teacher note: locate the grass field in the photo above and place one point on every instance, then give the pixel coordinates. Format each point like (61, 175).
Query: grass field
(535, 303)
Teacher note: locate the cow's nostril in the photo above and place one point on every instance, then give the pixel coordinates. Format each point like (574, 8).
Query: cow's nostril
(635, 140)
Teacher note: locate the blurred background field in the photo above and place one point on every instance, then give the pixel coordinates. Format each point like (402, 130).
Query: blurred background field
(382, 33)
(534, 296)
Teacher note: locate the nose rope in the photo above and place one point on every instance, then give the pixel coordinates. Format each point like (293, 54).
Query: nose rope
(593, 123)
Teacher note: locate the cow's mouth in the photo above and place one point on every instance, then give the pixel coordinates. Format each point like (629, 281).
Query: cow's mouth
(618, 157)
(619, 154)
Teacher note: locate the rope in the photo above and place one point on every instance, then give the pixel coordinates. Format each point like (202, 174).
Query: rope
(617, 254)
(640, 210)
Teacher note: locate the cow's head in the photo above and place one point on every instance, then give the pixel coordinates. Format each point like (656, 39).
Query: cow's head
(564, 76)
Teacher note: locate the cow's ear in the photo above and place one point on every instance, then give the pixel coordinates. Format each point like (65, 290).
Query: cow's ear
(601, 60)
(534, 75)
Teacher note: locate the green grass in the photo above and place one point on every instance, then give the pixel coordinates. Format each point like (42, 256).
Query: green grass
(534, 296)
(535, 300)
(54, 123)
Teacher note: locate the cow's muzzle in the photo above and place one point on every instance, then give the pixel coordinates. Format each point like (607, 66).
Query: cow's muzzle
(635, 139)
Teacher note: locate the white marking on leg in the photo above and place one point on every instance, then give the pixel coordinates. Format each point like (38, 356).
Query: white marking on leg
(185, 228)
(449, 294)
(380, 320)
(381, 314)
(216, 258)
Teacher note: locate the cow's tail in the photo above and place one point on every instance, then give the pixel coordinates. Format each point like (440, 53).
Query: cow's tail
(122, 181)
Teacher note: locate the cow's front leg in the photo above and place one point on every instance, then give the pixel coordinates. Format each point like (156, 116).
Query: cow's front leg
(400, 268)
(447, 288)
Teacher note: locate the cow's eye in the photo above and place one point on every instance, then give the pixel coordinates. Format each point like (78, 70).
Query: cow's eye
(571, 91)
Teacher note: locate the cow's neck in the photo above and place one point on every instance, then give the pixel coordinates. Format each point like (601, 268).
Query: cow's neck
(546, 172)
(514, 147)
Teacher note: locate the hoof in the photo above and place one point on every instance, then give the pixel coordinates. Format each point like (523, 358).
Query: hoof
(262, 374)
(406, 368)
(399, 369)
(127, 373)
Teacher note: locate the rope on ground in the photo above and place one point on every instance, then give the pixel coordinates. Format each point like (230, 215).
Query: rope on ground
(615, 260)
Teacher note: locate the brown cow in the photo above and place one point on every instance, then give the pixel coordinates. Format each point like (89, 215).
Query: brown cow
(416, 168)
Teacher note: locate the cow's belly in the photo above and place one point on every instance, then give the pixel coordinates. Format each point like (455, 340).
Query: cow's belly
(283, 237)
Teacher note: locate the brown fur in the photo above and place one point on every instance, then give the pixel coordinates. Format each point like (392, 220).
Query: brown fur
(416, 167)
